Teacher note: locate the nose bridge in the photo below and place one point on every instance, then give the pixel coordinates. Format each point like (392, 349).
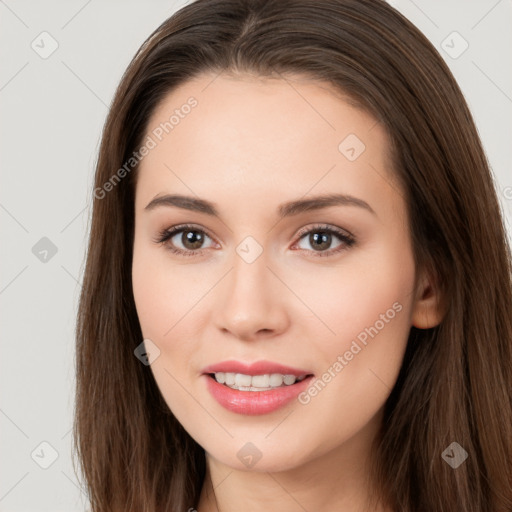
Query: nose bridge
(249, 281)
(250, 300)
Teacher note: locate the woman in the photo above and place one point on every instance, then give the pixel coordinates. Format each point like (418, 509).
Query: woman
(297, 293)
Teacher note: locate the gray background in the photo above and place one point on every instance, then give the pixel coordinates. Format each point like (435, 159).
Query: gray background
(52, 113)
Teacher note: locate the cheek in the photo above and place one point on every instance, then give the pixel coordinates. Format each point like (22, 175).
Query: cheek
(373, 305)
(164, 298)
(367, 296)
(170, 301)
(149, 291)
(368, 307)
(163, 293)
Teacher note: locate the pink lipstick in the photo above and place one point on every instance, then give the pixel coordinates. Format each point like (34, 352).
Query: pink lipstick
(258, 388)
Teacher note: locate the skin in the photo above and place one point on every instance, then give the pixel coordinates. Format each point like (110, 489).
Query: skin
(250, 145)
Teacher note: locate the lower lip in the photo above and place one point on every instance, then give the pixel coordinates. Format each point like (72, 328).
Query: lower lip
(255, 402)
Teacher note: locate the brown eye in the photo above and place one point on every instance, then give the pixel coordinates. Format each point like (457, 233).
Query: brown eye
(320, 240)
(184, 240)
(325, 240)
(192, 239)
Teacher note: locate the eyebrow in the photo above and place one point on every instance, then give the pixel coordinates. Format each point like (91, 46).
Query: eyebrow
(284, 210)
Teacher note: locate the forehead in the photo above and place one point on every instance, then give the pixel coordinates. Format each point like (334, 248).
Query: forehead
(253, 134)
(262, 106)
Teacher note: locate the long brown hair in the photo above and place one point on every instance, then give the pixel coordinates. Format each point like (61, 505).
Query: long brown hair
(455, 384)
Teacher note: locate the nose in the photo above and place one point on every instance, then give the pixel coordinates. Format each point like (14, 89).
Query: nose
(251, 303)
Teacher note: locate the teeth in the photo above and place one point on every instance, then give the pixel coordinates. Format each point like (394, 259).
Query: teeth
(289, 379)
(276, 380)
(265, 382)
(242, 380)
(261, 381)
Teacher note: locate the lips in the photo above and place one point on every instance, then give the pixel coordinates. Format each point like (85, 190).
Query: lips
(257, 368)
(226, 383)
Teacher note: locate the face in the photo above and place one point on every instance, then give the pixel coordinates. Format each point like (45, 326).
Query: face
(272, 242)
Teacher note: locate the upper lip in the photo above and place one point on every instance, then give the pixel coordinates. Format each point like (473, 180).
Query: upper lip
(256, 368)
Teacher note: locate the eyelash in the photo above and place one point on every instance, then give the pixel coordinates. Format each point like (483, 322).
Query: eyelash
(347, 240)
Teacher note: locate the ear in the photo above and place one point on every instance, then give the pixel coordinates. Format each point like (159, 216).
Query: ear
(427, 311)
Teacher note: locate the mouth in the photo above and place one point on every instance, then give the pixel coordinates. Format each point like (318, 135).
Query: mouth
(257, 388)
